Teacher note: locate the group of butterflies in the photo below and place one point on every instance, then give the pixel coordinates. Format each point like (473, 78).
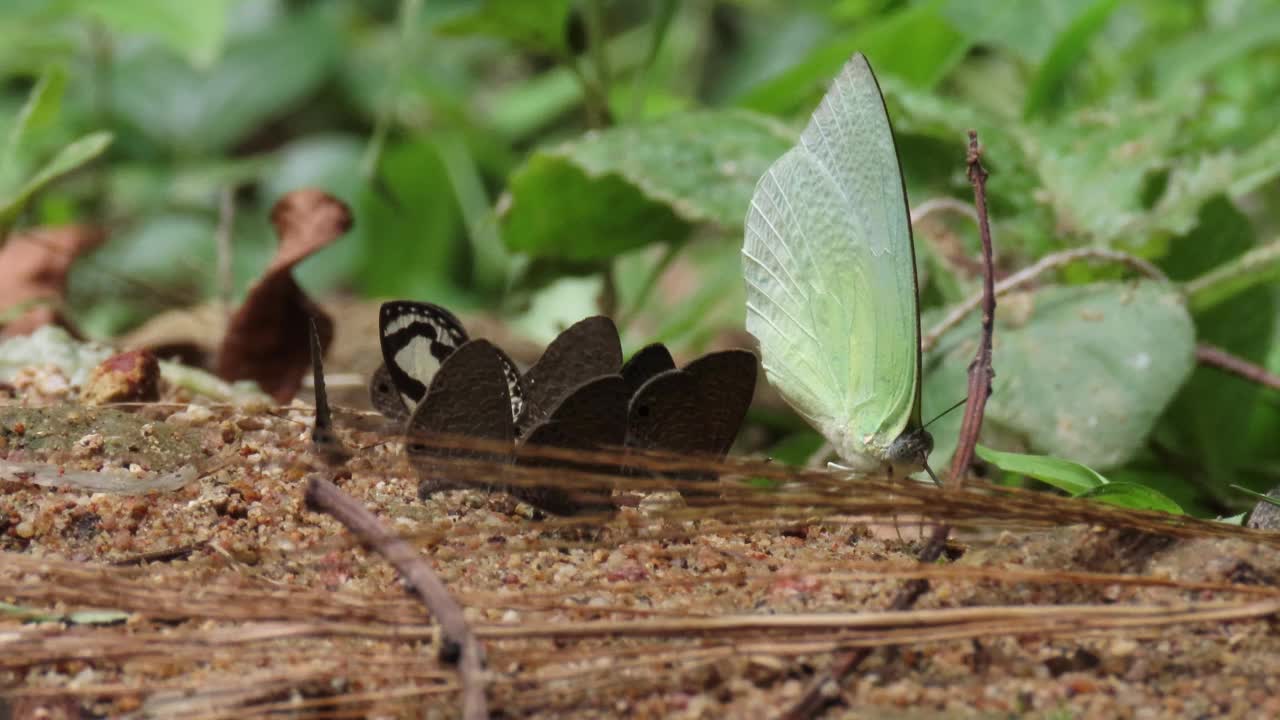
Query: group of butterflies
(832, 298)
(437, 381)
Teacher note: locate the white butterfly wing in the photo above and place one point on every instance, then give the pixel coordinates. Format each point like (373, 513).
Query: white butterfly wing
(830, 271)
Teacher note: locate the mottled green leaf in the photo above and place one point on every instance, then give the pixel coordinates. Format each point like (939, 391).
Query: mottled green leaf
(1194, 56)
(617, 189)
(1082, 372)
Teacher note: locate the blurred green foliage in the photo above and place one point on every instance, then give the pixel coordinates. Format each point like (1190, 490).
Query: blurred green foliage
(539, 157)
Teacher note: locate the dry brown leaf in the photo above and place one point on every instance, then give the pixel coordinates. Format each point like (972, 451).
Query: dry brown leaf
(33, 269)
(266, 339)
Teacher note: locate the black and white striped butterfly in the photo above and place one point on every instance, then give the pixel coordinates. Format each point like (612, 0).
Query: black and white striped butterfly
(416, 339)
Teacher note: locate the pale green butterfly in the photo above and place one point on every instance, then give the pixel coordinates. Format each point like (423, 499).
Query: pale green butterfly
(831, 281)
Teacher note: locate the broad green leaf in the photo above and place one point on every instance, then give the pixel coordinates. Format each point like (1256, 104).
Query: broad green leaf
(195, 30)
(1069, 477)
(541, 26)
(1195, 180)
(414, 245)
(1133, 496)
(69, 158)
(618, 189)
(915, 44)
(1068, 50)
(1082, 372)
(202, 111)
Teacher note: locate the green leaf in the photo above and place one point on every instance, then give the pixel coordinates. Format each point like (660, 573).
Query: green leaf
(40, 109)
(1028, 28)
(413, 230)
(1080, 481)
(1194, 56)
(195, 30)
(796, 448)
(1082, 372)
(69, 158)
(1133, 496)
(541, 26)
(1070, 477)
(621, 188)
(915, 44)
(260, 75)
(1047, 88)
(1210, 417)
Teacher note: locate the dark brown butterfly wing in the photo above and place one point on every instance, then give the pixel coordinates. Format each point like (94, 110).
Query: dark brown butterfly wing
(726, 383)
(665, 414)
(468, 396)
(588, 350)
(591, 417)
(646, 363)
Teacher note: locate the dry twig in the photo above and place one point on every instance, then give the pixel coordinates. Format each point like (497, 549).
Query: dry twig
(459, 643)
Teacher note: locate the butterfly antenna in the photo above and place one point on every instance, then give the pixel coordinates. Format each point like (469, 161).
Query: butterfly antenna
(322, 434)
(931, 475)
(942, 414)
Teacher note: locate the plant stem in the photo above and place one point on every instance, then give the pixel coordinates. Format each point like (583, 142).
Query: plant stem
(596, 45)
(1207, 354)
(409, 10)
(1259, 265)
(661, 24)
(1031, 273)
(650, 282)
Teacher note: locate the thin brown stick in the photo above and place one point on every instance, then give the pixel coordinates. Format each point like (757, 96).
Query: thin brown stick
(458, 638)
(1213, 356)
(825, 688)
(1031, 273)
